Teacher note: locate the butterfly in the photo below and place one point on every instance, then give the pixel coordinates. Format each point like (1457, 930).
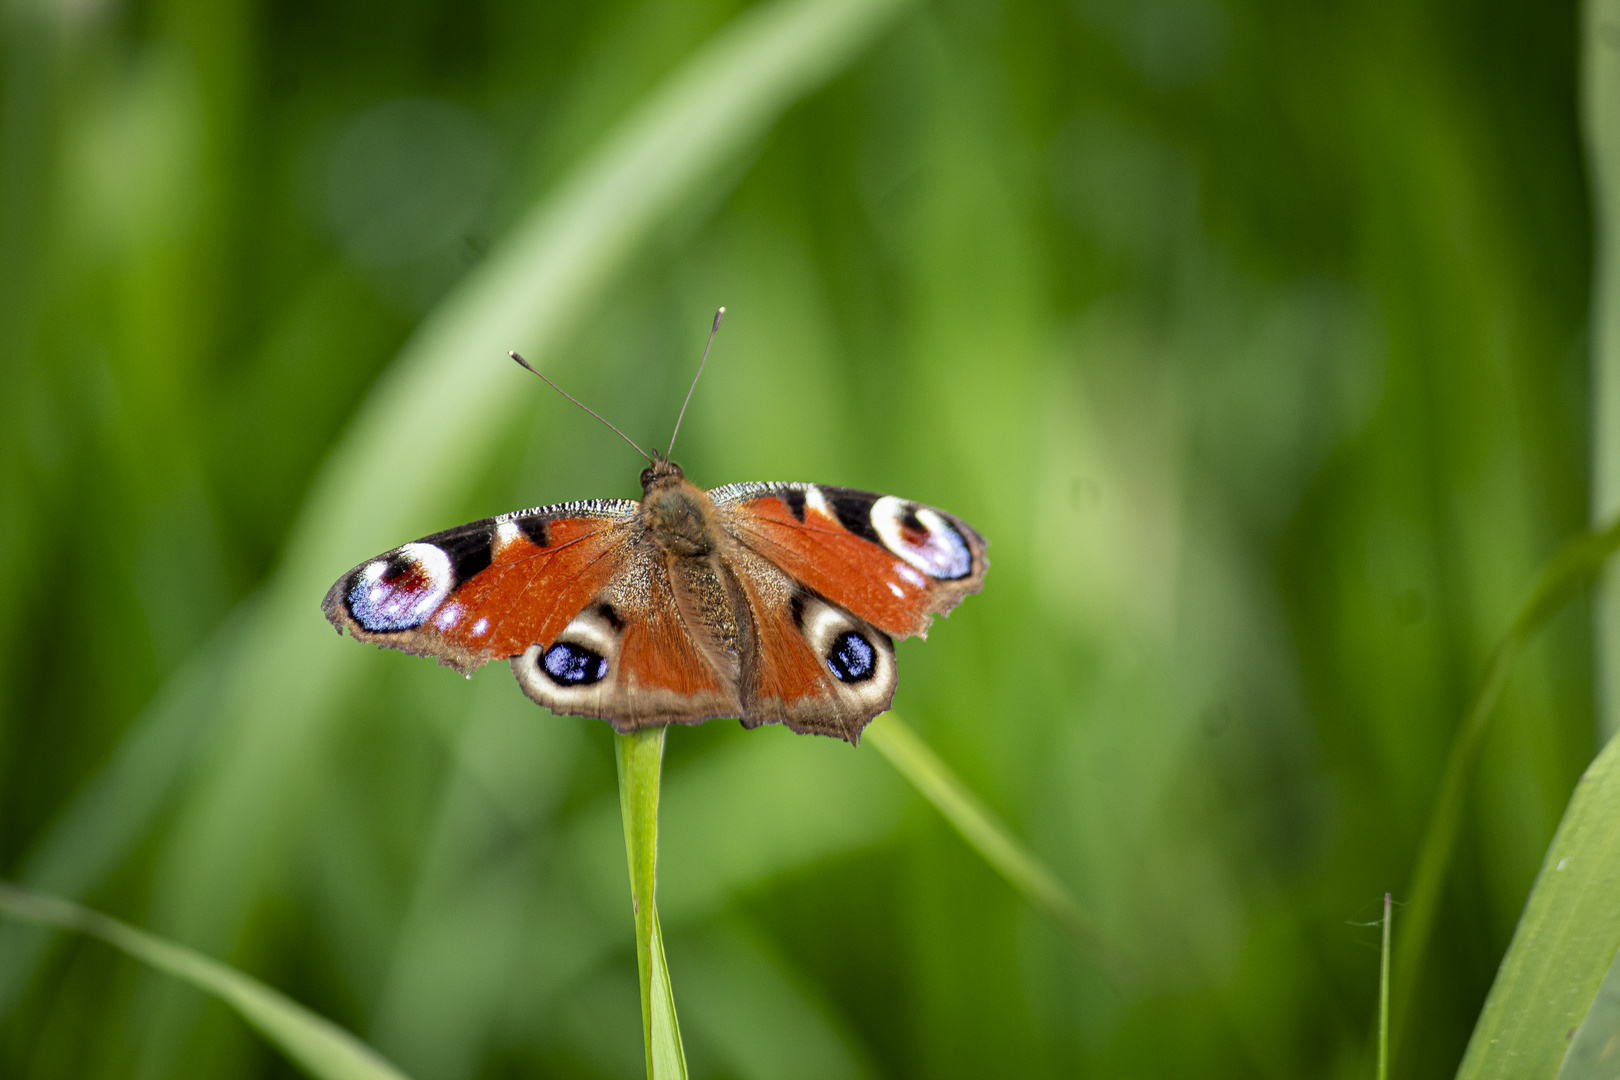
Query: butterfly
(769, 602)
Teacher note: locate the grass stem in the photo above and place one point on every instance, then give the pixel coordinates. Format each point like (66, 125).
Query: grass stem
(640, 759)
(1383, 998)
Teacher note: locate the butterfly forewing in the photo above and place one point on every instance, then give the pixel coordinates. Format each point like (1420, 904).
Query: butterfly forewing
(487, 590)
(893, 563)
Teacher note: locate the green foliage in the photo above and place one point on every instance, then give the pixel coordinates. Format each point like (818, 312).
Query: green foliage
(1251, 334)
(1594, 1050)
(325, 1051)
(1575, 565)
(895, 740)
(1563, 947)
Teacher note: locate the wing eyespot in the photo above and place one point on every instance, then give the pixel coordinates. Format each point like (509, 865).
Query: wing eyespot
(852, 659)
(402, 589)
(569, 664)
(922, 537)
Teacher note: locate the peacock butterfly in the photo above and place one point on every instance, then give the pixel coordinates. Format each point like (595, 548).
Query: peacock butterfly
(770, 602)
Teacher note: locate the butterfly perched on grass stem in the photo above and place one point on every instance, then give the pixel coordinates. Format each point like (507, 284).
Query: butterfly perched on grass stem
(773, 603)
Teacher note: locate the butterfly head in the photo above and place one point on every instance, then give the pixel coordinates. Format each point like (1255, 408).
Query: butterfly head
(660, 473)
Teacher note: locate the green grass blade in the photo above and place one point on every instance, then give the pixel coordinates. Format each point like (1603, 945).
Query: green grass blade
(640, 759)
(989, 836)
(318, 1046)
(666, 1055)
(1594, 1052)
(1383, 997)
(1565, 941)
(1574, 564)
(1600, 108)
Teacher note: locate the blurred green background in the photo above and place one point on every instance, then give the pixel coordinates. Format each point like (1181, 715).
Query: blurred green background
(1251, 333)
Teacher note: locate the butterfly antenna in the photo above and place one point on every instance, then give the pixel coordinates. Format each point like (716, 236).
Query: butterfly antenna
(581, 404)
(712, 331)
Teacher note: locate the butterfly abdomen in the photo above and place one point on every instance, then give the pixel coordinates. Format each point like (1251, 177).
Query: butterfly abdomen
(681, 520)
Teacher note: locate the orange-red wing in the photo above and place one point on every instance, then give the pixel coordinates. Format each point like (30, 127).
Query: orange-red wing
(658, 659)
(487, 590)
(893, 563)
(787, 681)
(626, 656)
(786, 671)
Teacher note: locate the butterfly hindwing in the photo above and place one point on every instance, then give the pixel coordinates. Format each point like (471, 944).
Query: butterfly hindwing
(764, 650)
(627, 657)
(893, 563)
(815, 667)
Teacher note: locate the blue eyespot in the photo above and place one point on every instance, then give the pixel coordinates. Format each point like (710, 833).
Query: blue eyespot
(401, 590)
(574, 665)
(852, 658)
